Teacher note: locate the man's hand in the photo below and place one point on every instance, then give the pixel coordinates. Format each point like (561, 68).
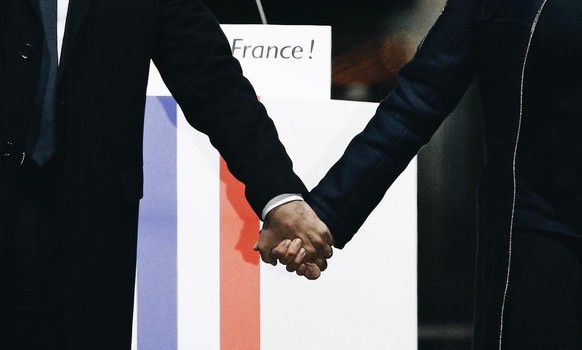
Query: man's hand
(292, 254)
(283, 225)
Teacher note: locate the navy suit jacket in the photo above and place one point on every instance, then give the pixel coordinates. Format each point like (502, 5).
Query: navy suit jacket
(102, 82)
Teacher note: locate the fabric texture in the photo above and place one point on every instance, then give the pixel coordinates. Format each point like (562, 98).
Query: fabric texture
(544, 305)
(31, 315)
(42, 147)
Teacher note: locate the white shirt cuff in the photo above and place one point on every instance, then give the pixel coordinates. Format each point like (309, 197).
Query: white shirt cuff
(280, 200)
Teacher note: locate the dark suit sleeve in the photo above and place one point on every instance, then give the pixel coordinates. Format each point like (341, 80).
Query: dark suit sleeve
(195, 61)
(429, 87)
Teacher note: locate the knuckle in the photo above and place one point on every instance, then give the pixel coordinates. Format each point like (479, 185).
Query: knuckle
(318, 241)
(310, 251)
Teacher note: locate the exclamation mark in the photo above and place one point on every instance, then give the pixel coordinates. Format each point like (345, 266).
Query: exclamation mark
(311, 52)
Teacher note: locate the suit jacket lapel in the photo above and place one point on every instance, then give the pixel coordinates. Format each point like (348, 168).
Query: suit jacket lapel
(75, 16)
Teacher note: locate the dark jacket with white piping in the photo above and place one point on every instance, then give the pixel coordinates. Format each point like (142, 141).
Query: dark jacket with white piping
(489, 39)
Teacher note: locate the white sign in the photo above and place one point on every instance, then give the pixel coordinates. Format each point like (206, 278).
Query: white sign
(367, 297)
(280, 61)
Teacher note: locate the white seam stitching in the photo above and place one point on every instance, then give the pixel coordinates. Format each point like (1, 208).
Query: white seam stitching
(532, 31)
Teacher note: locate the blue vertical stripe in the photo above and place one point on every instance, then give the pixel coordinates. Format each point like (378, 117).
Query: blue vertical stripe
(157, 251)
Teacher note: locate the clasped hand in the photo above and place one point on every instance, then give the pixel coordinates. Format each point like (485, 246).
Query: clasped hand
(293, 235)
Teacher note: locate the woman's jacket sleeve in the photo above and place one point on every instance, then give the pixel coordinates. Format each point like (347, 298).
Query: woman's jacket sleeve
(429, 88)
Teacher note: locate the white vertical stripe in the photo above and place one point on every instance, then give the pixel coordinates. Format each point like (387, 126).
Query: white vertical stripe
(134, 322)
(198, 240)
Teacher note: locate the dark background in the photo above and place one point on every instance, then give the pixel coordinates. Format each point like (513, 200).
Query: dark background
(371, 41)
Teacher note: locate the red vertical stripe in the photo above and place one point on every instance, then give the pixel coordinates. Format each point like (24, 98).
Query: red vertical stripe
(239, 268)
